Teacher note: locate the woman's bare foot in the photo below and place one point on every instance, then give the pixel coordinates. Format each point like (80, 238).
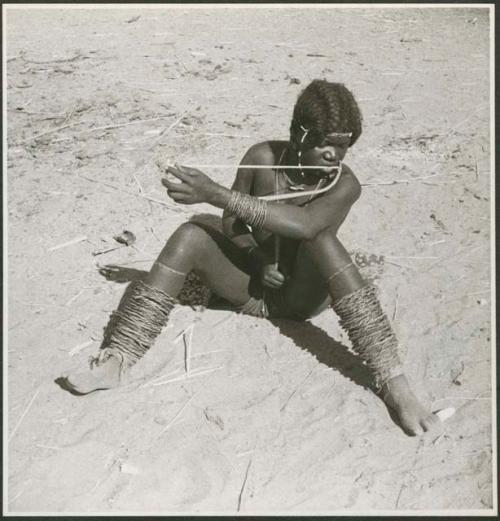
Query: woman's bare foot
(409, 413)
(106, 375)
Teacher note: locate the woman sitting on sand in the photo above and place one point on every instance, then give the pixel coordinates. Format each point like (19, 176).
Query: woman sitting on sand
(237, 262)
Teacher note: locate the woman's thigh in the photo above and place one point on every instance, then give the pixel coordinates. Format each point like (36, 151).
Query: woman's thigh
(309, 290)
(222, 266)
(305, 292)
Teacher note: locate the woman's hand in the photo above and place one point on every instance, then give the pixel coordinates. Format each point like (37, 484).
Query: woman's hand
(271, 277)
(194, 186)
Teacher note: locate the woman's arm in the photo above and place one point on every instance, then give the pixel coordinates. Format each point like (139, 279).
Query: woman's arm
(233, 227)
(296, 222)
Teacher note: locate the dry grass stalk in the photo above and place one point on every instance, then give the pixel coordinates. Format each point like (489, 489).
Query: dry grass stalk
(297, 388)
(176, 209)
(76, 240)
(401, 181)
(404, 266)
(222, 134)
(179, 412)
(80, 347)
(72, 299)
(185, 376)
(242, 490)
(399, 495)
(51, 131)
(394, 314)
(47, 447)
(23, 415)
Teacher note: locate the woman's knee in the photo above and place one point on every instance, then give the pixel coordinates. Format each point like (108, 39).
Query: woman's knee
(325, 239)
(188, 240)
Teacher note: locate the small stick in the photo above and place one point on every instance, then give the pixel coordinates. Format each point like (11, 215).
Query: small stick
(240, 497)
(222, 134)
(475, 166)
(222, 320)
(400, 265)
(153, 380)
(167, 130)
(51, 131)
(185, 376)
(74, 297)
(481, 107)
(109, 127)
(399, 495)
(79, 347)
(69, 243)
(399, 181)
(177, 209)
(61, 60)
(297, 388)
(395, 307)
(177, 415)
(187, 349)
(24, 414)
(16, 496)
(102, 252)
(164, 382)
(119, 125)
(141, 190)
(478, 292)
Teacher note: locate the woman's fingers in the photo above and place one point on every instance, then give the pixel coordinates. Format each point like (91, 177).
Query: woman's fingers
(272, 282)
(178, 197)
(278, 276)
(177, 187)
(179, 172)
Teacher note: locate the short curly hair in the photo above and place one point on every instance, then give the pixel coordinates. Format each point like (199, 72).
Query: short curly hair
(324, 107)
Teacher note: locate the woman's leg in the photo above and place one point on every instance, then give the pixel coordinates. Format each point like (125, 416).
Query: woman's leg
(142, 314)
(368, 327)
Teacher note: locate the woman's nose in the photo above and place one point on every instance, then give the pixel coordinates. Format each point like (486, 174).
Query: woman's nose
(330, 155)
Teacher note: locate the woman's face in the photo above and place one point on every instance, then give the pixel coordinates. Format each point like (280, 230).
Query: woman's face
(329, 153)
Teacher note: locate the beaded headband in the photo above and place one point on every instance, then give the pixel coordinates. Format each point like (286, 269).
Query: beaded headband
(335, 135)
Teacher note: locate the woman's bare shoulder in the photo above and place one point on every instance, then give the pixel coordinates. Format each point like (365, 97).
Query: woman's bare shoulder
(265, 153)
(350, 181)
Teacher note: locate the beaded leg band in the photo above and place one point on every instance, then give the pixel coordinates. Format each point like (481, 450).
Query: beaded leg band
(136, 324)
(248, 208)
(370, 332)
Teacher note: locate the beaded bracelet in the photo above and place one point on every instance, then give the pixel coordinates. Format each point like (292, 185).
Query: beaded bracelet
(248, 208)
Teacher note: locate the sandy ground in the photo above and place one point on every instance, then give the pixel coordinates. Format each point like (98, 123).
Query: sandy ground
(274, 417)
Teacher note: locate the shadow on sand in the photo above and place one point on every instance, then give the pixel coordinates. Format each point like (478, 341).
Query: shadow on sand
(326, 350)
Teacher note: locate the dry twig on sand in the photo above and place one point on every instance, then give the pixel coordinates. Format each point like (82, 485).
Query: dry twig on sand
(403, 486)
(395, 307)
(51, 131)
(401, 181)
(177, 209)
(240, 496)
(110, 127)
(24, 414)
(59, 60)
(76, 240)
(297, 388)
(179, 412)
